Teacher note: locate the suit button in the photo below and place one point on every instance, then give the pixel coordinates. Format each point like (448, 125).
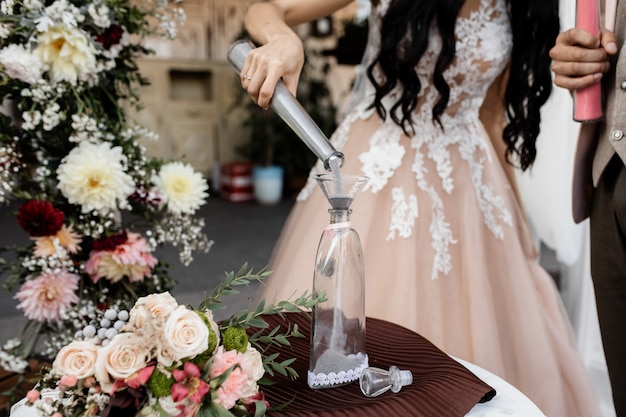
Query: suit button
(623, 85)
(617, 135)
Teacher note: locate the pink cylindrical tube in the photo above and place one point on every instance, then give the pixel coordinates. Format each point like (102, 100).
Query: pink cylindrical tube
(588, 101)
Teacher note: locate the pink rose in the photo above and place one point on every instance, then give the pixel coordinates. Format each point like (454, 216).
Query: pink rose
(32, 395)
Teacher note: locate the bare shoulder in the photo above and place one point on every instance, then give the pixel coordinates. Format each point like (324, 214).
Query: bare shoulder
(301, 11)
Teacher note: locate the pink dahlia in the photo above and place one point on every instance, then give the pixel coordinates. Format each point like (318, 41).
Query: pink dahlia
(40, 218)
(121, 258)
(46, 297)
(66, 237)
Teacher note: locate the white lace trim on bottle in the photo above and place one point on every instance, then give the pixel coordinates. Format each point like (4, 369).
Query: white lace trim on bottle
(321, 379)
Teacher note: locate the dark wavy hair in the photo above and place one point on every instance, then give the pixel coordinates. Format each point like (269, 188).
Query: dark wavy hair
(535, 26)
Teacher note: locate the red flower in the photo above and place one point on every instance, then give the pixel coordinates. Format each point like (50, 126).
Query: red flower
(111, 242)
(110, 37)
(188, 384)
(251, 403)
(40, 218)
(151, 198)
(140, 378)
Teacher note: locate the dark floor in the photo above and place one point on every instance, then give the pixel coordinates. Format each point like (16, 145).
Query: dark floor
(242, 232)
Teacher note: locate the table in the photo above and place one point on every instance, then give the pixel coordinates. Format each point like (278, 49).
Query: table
(442, 386)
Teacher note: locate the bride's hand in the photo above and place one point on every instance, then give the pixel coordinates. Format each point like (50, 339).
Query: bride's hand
(282, 57)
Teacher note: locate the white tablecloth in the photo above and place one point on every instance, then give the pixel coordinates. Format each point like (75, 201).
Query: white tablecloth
(509, 401)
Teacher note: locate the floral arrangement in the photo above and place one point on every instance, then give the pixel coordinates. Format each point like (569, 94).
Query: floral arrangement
(165, 359)
(93, 203)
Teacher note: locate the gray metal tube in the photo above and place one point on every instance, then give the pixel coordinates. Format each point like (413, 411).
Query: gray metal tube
(287, 107)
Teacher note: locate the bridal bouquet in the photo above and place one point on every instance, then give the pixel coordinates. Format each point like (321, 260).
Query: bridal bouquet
(164, 359)
(94, 205)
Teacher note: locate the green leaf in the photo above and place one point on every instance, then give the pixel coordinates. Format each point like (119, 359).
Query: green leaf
(288, 362)
(257, 322)
(261, 408)
(214, 410)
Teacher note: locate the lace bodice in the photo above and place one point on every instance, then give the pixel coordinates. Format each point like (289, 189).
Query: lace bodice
(483, 47)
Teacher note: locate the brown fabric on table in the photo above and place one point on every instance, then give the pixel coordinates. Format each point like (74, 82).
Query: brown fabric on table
(441, 386)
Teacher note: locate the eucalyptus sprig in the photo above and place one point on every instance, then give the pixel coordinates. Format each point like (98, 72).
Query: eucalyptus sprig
(244, 276)
(246, 319)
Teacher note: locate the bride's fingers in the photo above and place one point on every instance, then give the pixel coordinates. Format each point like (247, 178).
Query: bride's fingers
(244, 75)
(254, 85)
(291, 82)
(267, 88)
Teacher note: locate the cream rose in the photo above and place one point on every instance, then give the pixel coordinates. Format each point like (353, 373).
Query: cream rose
(138, 318)
(153, 307)
(125, 355)
(160, 305)
(185, 335)
(77, 358)
(67, 52)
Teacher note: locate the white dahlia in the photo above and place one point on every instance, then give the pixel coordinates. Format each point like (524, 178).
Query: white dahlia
(183, 188)
(93, 176)
(21, 64)
(67, 52)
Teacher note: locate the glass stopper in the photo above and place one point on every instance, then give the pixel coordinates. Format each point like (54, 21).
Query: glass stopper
(375, 381)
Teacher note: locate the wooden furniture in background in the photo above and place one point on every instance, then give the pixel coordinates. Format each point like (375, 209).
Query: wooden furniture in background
(189, 104)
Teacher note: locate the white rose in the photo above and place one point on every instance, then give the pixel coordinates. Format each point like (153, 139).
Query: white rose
(252, 363)
(168, 405)
(125, 355)
(20, 64)
(165, 404)
(185, 335)
(78, 358)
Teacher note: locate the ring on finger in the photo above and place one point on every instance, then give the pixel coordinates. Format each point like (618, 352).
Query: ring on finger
(247, 76)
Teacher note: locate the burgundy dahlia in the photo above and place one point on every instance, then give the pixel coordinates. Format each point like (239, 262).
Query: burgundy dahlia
(110, 37)
(111, 242)
(40, 218)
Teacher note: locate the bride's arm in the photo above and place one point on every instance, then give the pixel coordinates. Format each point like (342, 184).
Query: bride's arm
(281, 54)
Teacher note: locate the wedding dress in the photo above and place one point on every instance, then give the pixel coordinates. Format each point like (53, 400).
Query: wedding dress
(446, 246)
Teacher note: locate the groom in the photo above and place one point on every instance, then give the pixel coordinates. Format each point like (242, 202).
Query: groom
(581, 60)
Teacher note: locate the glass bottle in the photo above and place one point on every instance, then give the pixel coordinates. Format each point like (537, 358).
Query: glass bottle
(338, 325)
